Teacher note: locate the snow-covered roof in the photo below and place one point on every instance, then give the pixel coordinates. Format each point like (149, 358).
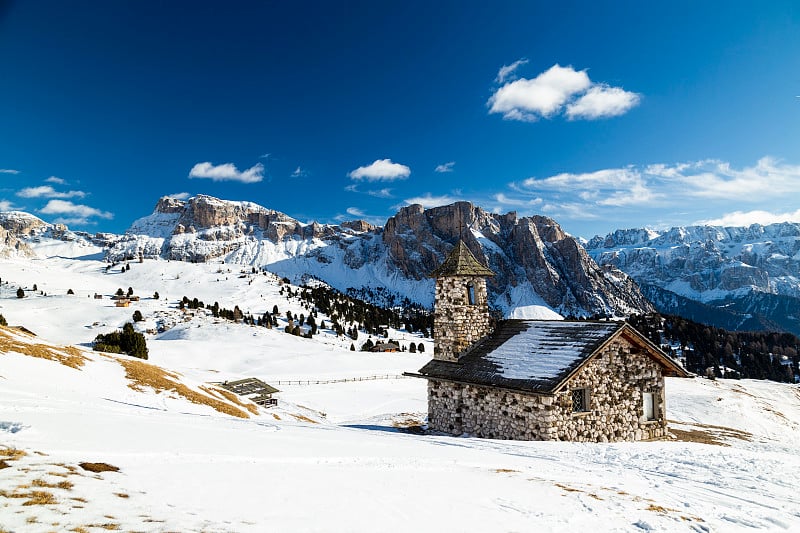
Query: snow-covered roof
(533, 355)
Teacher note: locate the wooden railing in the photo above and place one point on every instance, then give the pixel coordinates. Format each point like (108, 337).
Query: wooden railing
(341, 380)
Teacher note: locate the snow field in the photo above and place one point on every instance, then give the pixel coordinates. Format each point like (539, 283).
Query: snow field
(336, 457)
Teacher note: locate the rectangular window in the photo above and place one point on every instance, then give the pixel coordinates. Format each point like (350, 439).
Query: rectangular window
(580, 400)
(649, 405)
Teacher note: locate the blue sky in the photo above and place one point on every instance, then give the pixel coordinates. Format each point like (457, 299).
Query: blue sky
(602, 117)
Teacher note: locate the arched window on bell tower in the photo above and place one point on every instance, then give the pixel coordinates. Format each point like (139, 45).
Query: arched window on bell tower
(471, 294)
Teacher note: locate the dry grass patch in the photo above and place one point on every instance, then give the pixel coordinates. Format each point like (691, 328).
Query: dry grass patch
(66, 355)
(98, 467)
(12, 454)
(109, 526)
(505, 471)
(121, 495)
(65, 485)
(408, 422)
(709, 434)
(275, 416)
(40, 497)
(231, 397)
(79, 529)
(142, 375)
(302, 418)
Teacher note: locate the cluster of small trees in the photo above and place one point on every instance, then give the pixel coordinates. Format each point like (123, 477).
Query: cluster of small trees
(127, 341)
(735, 354)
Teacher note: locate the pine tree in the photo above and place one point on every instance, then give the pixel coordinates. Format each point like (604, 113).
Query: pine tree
(156, 295)
(3, 321)
(137, 316)
(20, 293)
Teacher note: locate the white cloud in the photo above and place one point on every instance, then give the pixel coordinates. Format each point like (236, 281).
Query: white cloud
(227, 172)
(63, 207)
(381, 170)
(427, 200)
(446, 167)
(556, 90)
(504, 200)
(746, 218)
(354, 211)
(381, 193)
(299, 173)
(5, 205)
(56, 180)
(768, 178)
(507, 72)
(8, 171)
(602, 101)
(609, 187)
(353, 187)
(180, 196)
(46, 191)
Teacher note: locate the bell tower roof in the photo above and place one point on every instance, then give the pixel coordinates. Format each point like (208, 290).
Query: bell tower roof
(461, 262)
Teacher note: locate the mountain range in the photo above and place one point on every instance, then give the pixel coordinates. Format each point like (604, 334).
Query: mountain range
(735, 278)
(738, 278)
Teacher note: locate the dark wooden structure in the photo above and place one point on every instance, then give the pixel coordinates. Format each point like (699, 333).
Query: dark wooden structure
(254, 390)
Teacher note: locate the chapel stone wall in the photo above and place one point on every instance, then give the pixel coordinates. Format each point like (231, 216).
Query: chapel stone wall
(615, 379)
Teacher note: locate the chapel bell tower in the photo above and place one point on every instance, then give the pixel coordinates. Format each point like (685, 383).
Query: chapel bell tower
(461, 307)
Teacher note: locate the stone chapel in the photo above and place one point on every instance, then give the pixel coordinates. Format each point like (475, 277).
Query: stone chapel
(537, 379)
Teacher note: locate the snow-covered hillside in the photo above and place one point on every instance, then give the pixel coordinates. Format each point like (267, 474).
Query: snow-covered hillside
(98, 446)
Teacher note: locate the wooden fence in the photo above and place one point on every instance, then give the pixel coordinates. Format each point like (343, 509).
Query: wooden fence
(342, 380)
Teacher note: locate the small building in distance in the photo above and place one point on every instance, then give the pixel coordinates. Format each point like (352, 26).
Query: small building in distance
(536, 379)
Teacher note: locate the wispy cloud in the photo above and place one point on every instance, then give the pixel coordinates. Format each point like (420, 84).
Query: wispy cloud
(77, 211)
(507, 72)
(560, 90)
(768, 178)
(381, 170)
(505, 201)
(667, 192)
(428, 200)
(5, 205)
(180, 196)
(300, 173)
(746, 218)
(445, 167)
(56, 180)
(46, 191)
(354, 211)
(381, 193)
(227, 172)
(376, 193)
(8, 171)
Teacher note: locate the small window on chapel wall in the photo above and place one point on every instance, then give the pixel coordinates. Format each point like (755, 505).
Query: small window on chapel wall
(649, 405)
(471, 294)
(580, 400)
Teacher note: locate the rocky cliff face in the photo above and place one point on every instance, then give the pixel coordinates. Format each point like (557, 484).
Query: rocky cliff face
(752, 272)
(537, 264)
(532, 257)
